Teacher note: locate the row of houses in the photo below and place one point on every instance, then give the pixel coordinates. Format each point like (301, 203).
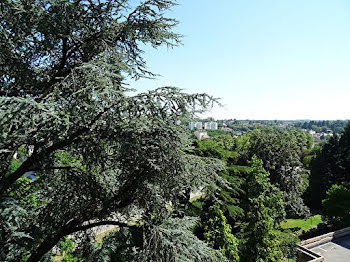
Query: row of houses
(317, 136)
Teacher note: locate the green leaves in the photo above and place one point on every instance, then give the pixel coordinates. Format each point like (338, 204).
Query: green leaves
(264, 212)
(335, 207)
(13, 237)
(218, 233)
(174, 241)
(280, 152)
(99, 150)
(330, 165)
(42, 41)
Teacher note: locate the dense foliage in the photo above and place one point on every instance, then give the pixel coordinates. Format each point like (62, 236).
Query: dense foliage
(264, 210)
(249, 201)
(218, 233)
(78, 148)
(330, 165)
(336, 206)
(323, 126)
(281, 153)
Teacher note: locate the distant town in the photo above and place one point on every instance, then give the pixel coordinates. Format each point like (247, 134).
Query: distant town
(319, 130)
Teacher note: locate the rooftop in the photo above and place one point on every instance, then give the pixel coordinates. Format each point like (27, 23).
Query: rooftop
(330, 247)
(337, 250)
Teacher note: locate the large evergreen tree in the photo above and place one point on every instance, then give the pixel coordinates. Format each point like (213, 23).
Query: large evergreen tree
(344, 154)
(96, 153)
(218, 233)
(324, 168)
(330, 166)
(62, 67)
(264, 213)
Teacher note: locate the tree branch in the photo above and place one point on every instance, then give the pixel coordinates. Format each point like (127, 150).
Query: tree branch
(101, 223)
(29, 163)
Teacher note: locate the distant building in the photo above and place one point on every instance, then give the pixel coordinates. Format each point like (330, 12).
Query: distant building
(200, 134)
(312, 132)
(226, 129)
(191, 125)
(210, 125)
(195, 125)
(199, 125)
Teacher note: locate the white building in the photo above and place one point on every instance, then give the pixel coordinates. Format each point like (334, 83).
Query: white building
(210, 125)
(195, 125)
(199, 125)
(312, 132)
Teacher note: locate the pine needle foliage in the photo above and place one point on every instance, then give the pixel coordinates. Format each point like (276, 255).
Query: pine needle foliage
(178, 244)
(218, 234)
(100, 153)
(265, 207)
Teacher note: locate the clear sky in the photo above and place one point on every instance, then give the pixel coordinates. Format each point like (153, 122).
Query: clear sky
(266, 59)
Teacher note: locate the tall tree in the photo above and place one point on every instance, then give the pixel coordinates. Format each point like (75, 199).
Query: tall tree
(330, 166)
(336, 205)
(218, 233)
(344, 154)
(280, 152)
(101, 154)
(62, 68)
(324, 169)
(264, 211)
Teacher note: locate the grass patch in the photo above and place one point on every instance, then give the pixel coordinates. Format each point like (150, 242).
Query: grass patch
(303, 224)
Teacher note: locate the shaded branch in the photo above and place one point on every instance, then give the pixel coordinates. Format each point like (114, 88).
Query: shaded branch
(101, 223)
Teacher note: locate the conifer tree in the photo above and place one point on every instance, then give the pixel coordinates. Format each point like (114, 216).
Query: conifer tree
(324, 171)
(218, 233)
(265, 207)
(330, 166)
(97, 152)
(344, 154)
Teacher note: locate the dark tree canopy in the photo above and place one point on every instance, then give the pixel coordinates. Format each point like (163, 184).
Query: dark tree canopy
(42, 41)
(281, 153)
(330, 166)
(336, 206)
(264, 210)
(95, 152)
(62, 68)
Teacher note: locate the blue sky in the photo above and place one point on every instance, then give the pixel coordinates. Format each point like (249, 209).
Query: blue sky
(266, 59)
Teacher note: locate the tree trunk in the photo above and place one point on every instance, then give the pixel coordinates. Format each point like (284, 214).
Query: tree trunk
(44, 247)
